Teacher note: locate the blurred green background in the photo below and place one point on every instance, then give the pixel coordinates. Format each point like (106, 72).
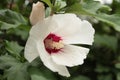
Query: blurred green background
(103, 61)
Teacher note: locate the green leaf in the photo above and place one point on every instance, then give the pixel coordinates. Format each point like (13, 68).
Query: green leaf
(93, 8)
(113, 20)
(21, 31)
(81, 78)
(101, 69)
(38, 77)
(7, 61)
(14, 48)
(105, 77)
(41, 74)
(105, 40)
(1, 77)
(117, 65)
(62, 3)
(118, 76)
(86, 8)
(77, 9)
(116, 6)
(17, 72)
(11, 19)
(14, 69)
(58, 6)
(48, 3)
(71, 2)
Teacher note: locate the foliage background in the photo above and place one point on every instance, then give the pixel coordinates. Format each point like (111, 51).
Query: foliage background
(103, 61)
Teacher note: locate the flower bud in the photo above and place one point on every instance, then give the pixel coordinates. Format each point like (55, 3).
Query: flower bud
(38, 13)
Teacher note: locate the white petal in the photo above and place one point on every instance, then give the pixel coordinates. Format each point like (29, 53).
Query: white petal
(73, 30)
(38, 13)
(48, 62)
(31, 51)
(84, 35)
(105, 1)
(43, 28)
(70, 56)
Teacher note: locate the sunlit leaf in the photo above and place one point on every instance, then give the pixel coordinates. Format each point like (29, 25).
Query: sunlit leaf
(86, 8)
(117, 65)
(118, 76)
(113, 20)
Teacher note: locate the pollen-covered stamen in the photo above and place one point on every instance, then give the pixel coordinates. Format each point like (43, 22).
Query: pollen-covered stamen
(53, 43)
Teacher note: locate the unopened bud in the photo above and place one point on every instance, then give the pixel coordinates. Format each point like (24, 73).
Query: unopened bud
(38, 13)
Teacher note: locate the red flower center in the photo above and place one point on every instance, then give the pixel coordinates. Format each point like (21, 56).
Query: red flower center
(53, 43)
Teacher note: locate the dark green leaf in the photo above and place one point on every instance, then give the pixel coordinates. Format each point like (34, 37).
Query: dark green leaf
(105, 77)
(1, 77)
(71, 2)
(14, 48)
(41, 74)
(101, 69)
(11, 19)
(21, 31)
(17, 72)
(81, 78)
(7, 61)
(14, 69)
(105, 40)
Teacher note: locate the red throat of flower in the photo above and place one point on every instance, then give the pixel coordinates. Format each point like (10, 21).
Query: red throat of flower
(53, 43)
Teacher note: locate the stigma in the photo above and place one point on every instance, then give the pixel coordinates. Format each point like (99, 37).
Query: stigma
(53, 43)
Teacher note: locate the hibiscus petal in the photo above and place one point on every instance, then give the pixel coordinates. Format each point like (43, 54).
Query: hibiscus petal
(48, 62)
(84, 35)
(43, 28)
(31, 51)
(70, 56)
(73, 30)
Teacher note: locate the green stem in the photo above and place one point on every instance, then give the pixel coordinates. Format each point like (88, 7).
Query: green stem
(11, 4)
(52, 12)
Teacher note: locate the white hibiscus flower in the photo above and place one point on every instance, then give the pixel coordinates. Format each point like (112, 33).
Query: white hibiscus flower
(105, 1)
(51, 38)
